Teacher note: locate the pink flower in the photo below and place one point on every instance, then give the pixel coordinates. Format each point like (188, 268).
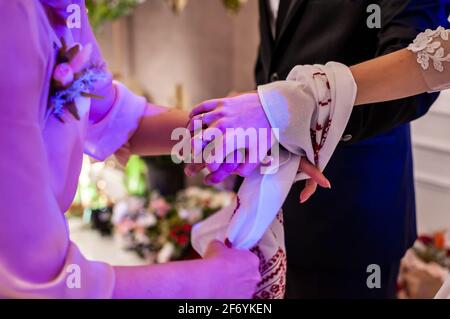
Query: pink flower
(160, 206)
(126, 226)
(426, 240)
(81, 60)
(63, 74)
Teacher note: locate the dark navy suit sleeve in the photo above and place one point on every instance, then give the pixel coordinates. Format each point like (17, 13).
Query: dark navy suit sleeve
(401, 21)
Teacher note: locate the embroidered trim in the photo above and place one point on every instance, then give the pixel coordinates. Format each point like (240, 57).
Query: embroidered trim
(273, 270)
(273, 274)
(319, 132)
(428, 46)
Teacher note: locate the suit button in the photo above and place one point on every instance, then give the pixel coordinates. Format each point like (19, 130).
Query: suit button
(274, 77)
(346, 138)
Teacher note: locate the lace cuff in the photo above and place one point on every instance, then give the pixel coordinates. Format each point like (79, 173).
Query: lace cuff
(431, 47)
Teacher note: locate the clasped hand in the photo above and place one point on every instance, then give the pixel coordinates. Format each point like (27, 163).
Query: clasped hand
(239, 113)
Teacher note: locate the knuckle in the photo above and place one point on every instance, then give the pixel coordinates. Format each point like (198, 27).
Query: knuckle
(221, 112)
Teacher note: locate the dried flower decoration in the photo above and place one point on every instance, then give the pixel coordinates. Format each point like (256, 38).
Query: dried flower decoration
(74, 76)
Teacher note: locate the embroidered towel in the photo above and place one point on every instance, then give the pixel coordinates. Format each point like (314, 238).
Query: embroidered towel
(310, 109)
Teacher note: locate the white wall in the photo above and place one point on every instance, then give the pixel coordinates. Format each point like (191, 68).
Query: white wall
(207, 50)
(431, 140)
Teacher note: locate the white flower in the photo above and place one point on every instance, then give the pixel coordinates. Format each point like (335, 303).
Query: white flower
(443, 33)
(423, 59)
(136, 204)
(183, 213)
(220, 200)
(142, 238)
(147, 220)
(120, 211)
(192, 191)
(421, 42)
(165, 253)
(427, 46)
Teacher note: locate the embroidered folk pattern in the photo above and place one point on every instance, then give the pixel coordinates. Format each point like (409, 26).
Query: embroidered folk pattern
(319, 132)
(273, 271)
(280, 218)
(238, 204)
(273, 274)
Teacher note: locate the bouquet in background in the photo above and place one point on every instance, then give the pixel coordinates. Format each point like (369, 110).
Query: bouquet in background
(425, 267)
(433, 248)
(158, 228)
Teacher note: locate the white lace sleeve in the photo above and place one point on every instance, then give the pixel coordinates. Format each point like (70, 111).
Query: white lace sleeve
(432, 48)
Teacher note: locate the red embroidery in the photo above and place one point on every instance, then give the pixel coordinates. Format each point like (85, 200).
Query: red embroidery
(325, 103)
(280, 218)
(317, 146)
(228, 243)
(273, 273)
(320, 132)
(238, 204)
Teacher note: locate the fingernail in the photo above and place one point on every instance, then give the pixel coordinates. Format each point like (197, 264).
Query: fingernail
(328, 184)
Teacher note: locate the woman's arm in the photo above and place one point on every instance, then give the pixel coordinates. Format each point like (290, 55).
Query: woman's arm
(393, 76)
(153, 135)
(223, 273)
(423, 67)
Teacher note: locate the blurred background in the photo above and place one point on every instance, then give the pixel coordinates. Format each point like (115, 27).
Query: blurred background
(179, 53)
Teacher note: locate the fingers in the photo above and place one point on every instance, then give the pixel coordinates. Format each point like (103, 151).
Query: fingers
(206, 118)
(308, 191)
(246, 168)
(204, 107)
(221, 144)
(226, 169)
(317, 178)
(313, 172)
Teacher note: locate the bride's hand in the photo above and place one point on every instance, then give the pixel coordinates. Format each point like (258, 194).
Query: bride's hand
(317, 178)
(235, 272)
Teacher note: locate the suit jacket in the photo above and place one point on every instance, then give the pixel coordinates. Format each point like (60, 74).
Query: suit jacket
(369, 214)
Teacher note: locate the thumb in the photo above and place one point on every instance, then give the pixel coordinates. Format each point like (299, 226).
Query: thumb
(215, 248)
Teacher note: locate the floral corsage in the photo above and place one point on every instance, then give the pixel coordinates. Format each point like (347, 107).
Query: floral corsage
(73, 79)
